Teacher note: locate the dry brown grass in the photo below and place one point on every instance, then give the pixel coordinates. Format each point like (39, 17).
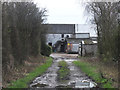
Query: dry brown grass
(108, 70)
(22, 70)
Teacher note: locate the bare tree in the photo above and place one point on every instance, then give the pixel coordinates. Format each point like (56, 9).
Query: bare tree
(105, 18)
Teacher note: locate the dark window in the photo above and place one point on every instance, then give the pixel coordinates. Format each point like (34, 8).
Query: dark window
(62, 35)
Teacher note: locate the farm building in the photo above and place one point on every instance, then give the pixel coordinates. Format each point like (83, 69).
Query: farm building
(59, 35)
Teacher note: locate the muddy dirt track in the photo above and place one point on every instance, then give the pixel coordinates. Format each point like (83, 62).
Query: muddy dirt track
(77, 79)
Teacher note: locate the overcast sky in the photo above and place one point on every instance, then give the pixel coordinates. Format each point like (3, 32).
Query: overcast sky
(63, 11)
(67, 12)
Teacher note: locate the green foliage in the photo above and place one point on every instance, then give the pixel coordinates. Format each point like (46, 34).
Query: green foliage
(91, 71)
(107, 85)
(63, 72)
(62, 64)
(46, 50)
(23, 82)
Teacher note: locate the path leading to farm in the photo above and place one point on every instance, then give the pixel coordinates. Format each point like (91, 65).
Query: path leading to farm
(77, 79)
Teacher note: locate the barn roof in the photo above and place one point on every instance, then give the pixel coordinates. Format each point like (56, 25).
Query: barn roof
(60, 29)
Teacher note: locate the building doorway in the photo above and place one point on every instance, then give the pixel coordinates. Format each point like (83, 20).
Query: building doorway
(50, 44)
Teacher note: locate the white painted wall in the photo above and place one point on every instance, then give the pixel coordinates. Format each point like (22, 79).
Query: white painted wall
(83, 35)
(86, 28)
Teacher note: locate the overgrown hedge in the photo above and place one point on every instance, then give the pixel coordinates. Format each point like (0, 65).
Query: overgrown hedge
(22, 26)
(46, 50)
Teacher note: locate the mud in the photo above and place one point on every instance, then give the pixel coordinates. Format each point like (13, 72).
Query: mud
(77, 79)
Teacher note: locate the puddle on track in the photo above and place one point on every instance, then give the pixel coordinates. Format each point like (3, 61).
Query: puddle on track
(49, 78)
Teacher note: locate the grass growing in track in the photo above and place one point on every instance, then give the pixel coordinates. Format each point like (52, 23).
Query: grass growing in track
(93, 73)
(63, 72)
(23, 82)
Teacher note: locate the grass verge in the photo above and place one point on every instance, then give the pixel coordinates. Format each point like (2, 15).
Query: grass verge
(23, 82)
(63, 71)
(92, 72)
